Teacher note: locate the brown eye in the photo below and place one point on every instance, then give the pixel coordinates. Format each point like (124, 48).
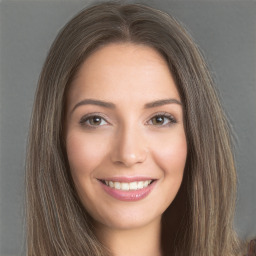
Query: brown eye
(162, 120)
(158, 120)
(92, 121)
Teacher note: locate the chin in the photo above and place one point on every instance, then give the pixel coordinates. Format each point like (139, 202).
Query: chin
(127, 220)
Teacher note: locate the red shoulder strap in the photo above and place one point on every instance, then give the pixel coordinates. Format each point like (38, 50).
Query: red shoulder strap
(252, 248)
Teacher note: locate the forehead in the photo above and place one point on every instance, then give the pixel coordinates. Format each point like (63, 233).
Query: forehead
(124, 71)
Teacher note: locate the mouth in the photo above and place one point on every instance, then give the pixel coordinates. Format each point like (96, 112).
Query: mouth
(128, 189)
(127, 186)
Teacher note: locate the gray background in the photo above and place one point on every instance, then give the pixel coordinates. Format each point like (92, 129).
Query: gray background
(226, 33)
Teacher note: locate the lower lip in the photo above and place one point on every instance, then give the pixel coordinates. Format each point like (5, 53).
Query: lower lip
(129, 195)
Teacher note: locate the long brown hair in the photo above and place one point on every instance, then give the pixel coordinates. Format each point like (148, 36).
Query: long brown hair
(57, 223)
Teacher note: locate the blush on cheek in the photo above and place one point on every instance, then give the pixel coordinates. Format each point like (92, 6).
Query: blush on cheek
(171, 157)
(85, 153)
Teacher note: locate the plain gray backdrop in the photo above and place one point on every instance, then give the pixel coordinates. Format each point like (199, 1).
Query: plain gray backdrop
(226, 34)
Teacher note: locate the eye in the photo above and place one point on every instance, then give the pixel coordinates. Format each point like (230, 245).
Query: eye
(164, 119)
(92, 121)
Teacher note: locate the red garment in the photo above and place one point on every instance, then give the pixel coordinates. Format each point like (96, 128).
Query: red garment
(252, 248)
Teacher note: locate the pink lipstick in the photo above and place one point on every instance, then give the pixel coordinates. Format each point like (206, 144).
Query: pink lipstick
(128, 188)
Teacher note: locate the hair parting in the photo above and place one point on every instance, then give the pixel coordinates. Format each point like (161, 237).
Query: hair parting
(57, 223)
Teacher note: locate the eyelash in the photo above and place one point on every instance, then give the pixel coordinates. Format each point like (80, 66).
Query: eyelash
(86, 118)
(164, 115)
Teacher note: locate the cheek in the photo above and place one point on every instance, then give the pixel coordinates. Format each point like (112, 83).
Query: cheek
(170, 153)
(170, 156)
(85, 153)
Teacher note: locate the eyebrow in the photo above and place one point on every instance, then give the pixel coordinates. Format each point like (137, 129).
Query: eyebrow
(110, 105)
(94, 102)
(158, 103)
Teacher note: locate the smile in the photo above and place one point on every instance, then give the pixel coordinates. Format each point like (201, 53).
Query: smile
(135, 185)
(128, 190)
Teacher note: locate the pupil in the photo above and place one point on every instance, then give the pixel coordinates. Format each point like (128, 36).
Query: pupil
(96, 120)
(159, 120)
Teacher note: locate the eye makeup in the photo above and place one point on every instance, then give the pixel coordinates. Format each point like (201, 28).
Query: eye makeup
(96, 120)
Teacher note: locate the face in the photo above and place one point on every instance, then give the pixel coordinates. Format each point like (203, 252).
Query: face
(125, 138)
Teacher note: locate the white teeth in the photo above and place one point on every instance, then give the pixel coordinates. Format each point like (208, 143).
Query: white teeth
(128, 186)
(117, 185)
(125, 186)
(111, 184)
(140, 184)
(133, 185)
(146, 183)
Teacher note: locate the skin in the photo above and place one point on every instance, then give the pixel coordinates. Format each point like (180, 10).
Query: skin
(127, 141)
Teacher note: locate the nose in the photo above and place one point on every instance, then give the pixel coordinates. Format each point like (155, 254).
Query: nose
(129, 148)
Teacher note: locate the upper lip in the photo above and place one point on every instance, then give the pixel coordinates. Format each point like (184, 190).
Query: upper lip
(127, 178)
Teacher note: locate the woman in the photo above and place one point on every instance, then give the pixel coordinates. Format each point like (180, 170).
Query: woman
(129, 150)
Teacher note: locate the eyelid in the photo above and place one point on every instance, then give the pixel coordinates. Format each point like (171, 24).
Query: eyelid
(173, 120)
(84, 118)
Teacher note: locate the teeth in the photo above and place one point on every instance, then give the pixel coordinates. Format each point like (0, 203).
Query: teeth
(111, 184)
(125, 186)
(133, 185)
(117, 185)
(146, 183)
(140, 184)
(128, 186)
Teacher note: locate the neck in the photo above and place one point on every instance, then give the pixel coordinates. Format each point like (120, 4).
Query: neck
(141, 241)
